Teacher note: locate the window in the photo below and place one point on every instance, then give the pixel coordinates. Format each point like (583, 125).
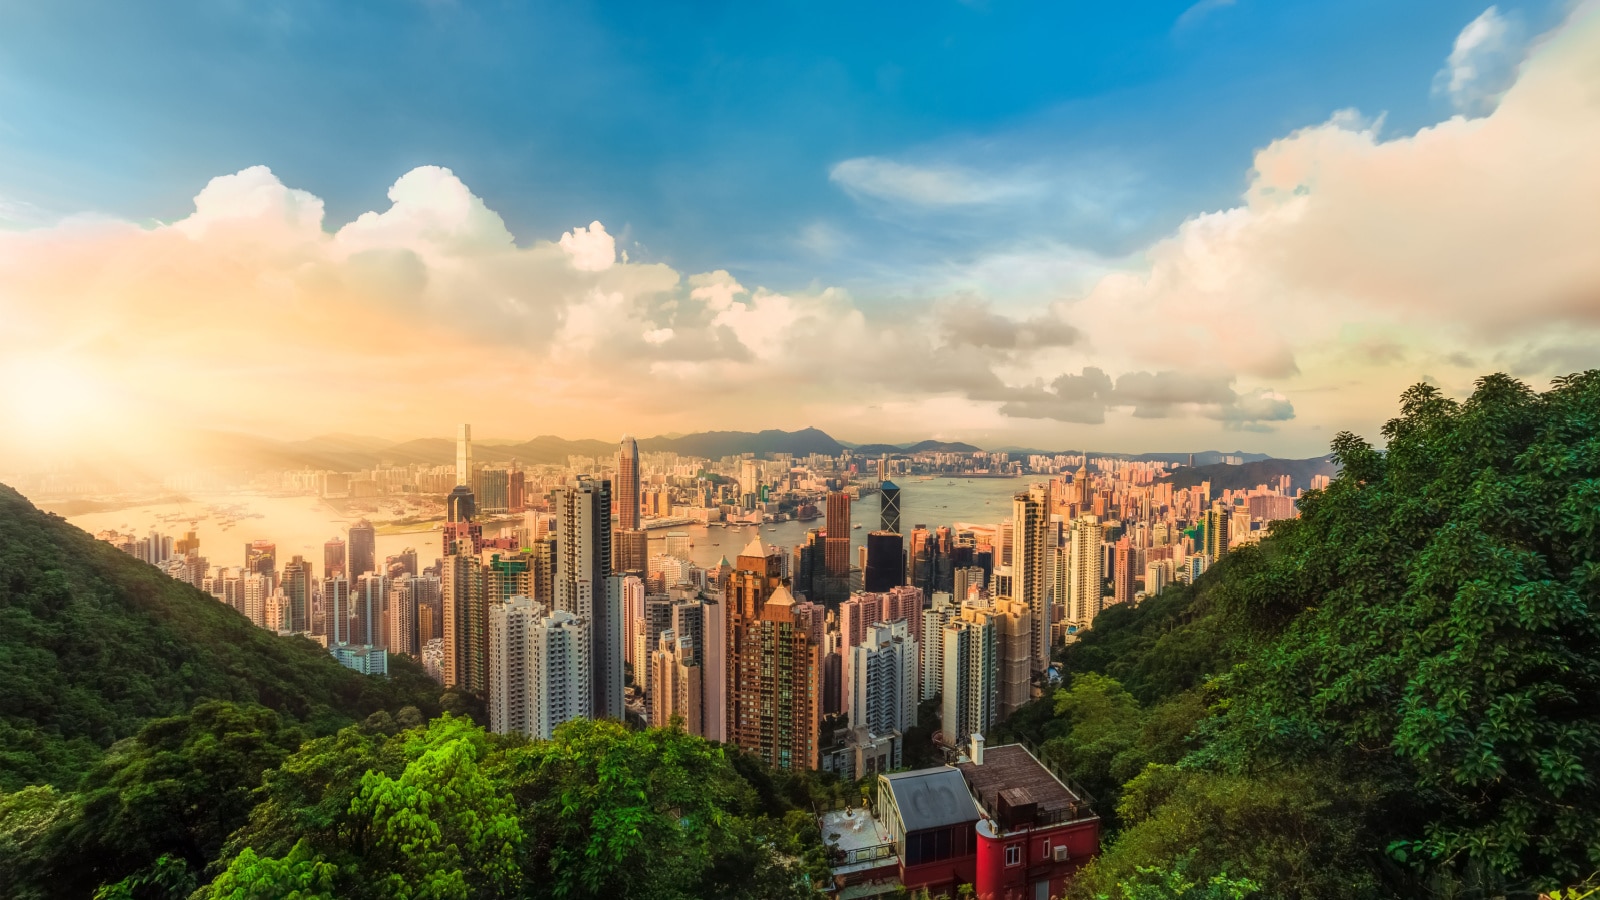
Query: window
(1044, 849)
(1014, 855)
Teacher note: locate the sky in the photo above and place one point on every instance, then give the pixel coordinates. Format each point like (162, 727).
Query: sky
(1153, 226)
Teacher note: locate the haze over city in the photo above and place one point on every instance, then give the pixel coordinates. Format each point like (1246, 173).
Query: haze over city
(1098, 264)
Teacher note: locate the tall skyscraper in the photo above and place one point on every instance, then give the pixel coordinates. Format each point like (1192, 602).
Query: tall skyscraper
(586, 588)
(464, 595)
(941, 613)
(367, 624)
(886, 562)
(1216, 532)
(336, 610)
(400, 629)
(676, 689)
(970, 692)
(464, 456)
(889, 506)
(364, 549)
(775, 709)
(626, 489)
(1030, 558)
(836, 556)
(297, 591)
(1123, 574)
(333, 559)
(1084, 562)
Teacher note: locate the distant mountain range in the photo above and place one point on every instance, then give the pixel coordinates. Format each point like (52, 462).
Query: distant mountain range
(1261, 471)
(346, 452)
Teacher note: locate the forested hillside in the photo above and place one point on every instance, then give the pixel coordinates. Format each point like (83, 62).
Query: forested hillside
(1396, 695)
(93, 643)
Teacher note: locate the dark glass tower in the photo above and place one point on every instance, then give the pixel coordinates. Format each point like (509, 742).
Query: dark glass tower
(886, 562)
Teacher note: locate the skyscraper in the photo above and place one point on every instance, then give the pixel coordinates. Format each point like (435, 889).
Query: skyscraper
(970, 692)
(464, 592)
(297, 591)
(889, 506)
(1030, 557)
(336, 610)
(464, 456)
(775, 710)
(364, 549)
(1084, 562)
(1123, 573)
(400, 629)
(367, 624)
(676, 689)
(261, 558)
(586, 588)
(886, 562)
(884, 683)
(626, 489)
(836, 555)
(539, 669)
(333, 559)
(1216, 528)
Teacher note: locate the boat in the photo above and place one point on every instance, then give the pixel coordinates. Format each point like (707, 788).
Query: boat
(858, 526)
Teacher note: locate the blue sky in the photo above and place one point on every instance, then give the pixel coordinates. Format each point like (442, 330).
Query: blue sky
(1135, 226)
(704, 134)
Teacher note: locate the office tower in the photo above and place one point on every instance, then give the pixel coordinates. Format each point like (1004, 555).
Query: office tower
(464, 598)
(400, 616)
(585, 587)
(676, 679)
(632, 622)
(335, 610)
(626, 486)
(297, 593)
(368, 625)
(464, 456)
(749, 478)
(1084, 568)
(886, 562)
(655, 617)
(364, 549)
(1216, 532)
(837, 553)
(713, 656)
(261, 557)
(404, 563)
(460, 505)
(333, 559)
(889, 507)
(969, 582)
(538, 669)
(1122, 574)
(490, 490)
(885, 683)
(970, 694)
(925, 563)
(1030, 555)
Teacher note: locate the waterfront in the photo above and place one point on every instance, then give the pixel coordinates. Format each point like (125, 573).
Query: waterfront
(300, 525)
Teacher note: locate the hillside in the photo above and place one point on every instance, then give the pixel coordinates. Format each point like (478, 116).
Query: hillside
(1242, 477)
(93, 643)
(1390, 696)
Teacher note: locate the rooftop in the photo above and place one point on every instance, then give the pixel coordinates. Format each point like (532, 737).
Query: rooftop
(931, 798)
(1010, 766)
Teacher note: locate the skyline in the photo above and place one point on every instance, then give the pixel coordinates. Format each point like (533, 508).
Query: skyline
(1272, 311)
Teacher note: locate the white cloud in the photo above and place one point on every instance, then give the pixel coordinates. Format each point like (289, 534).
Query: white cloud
(431, 211)
(1482, 64)
(591, 249)
(923, 185)
(1200, 10)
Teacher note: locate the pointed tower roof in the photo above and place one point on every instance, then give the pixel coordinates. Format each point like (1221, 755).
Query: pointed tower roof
(755, 548)
(781, 597)
(724, 564)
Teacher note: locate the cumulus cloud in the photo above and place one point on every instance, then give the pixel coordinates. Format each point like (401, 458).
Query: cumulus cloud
(591, 249)
(1482, 64)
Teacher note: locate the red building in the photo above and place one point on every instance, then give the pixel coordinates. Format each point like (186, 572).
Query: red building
(1001, 822)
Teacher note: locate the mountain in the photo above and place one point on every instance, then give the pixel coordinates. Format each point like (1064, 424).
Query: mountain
(919, 447)
(94, 643)
(1264, 471)
(717, 444)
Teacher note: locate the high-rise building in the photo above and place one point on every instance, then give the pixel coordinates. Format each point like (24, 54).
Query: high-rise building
(836, 556)
(400, 614)
(464, 456)
(368, 625)
(1012, 622)
(886, 562)
(626, 488)
(333, 559)
(630, 551)
(364, 549)
(297, 594)
(1122, 575)
(970, 691)
(676, 689)
(336, 610)
(1216, 532)
(586, 588)
(941, 613)
(1084, 563)
(460, 505)
(538, 669)
(261, 558)
(464, 598)
(775, 707)
(889, 506)
(1030, 558)
(884, 683)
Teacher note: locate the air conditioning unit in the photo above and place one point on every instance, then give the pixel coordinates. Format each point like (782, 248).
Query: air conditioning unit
(1060, 854)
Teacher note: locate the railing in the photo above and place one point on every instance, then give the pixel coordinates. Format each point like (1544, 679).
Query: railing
(1086, 800)
(838, 859)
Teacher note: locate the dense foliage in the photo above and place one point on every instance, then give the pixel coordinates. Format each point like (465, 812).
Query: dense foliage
(1396, 695)
(94, 643)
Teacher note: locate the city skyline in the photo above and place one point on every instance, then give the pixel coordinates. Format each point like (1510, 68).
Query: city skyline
(1237, 320)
